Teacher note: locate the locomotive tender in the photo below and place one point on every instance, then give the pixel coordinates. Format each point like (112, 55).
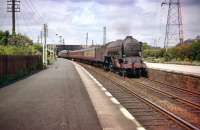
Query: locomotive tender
(123, 56)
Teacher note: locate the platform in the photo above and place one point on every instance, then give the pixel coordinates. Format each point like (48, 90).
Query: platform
(63, 97)
(53, 99)
(184, 69)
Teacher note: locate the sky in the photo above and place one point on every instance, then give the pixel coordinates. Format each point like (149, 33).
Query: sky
(145, 20)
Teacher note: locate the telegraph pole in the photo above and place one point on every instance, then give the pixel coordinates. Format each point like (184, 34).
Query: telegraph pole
(45, 45)
(41, 37)
(63, 41)
(174, 26)
(86, 39)
(92, 42)
(13, 17)
(38, 39)
(104, 35)
(60, 39)
(43, 53)
(13, 6)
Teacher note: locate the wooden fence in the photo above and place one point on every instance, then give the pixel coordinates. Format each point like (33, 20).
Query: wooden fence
(16, 66)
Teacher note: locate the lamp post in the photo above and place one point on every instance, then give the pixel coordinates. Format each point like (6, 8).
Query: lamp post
(61, 39)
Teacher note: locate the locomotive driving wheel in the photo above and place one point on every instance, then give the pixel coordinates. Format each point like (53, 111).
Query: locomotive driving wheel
(138, 73)
(144, 72)
(108, 63)
(111, 67)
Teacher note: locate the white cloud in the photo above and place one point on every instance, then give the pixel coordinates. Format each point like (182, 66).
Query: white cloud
(144, 19)
(84, 17)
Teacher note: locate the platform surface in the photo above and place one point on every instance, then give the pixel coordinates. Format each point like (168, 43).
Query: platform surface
(185, 69)
(53, 99)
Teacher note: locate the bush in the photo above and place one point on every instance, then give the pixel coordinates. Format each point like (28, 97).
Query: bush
(152, 53)
(21, 50)
(185, 52)
(18, 39)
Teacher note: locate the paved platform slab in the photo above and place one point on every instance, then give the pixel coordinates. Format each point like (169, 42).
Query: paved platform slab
(54, 99)
(184, 69)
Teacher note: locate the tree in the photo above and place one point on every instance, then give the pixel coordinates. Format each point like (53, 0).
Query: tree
(145, 46)
(195, 48)
(4, 36)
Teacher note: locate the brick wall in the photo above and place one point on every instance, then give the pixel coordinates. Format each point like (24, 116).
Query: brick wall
(188, 82)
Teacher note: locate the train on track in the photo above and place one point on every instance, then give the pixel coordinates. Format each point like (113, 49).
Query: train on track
(122, 56)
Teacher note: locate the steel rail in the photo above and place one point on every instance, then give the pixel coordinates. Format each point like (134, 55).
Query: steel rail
(172, 116)
(172, 86)
(197, 106)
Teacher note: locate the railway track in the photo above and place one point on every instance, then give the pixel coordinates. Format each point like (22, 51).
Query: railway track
(182, 95)
(195, 92)
(152, 115)
(175, 103)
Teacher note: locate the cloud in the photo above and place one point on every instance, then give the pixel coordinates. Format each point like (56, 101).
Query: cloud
(116, 2)
(105, 2)
(144, 19)
(190, 2)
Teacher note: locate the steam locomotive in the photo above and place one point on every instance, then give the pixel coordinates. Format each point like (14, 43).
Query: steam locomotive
(122, 56)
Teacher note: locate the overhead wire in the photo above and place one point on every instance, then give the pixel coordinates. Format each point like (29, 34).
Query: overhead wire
(27, 22)
(54, 31)
(23, 23)
(163, 18)
(4, 19)
(159, 23)
(35, 16)
(35, 9)
(20, 21)
(38, 18)
(35, 21)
